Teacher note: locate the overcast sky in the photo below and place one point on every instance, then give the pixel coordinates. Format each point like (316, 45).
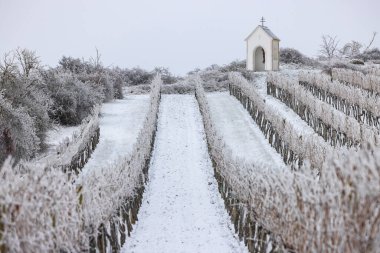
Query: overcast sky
(178, 34)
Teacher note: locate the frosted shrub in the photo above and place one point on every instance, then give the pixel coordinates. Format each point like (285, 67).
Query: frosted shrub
(107, 81)
(22, 86)
(291, 55)
(297, 95)
(137, 76)
(18, 132)
(214, 80)
(73, 99)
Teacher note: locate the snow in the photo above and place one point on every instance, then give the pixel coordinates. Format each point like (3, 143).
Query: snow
(259, 81)
(58, 134)
(182, 210)
(239, 131)
(120, 123)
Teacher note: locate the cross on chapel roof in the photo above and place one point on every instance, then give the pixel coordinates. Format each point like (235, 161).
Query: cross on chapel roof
(262, 21)
(266, 30)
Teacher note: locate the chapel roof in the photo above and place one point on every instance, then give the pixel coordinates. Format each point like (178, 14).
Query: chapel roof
(267, 30)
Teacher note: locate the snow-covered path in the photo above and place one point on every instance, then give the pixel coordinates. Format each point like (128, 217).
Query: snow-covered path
(120, 123)
(239, 131)
(182, 210)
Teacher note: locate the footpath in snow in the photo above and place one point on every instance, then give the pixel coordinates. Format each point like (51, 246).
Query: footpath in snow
(120, 123)
(182, 210)
(239, 131)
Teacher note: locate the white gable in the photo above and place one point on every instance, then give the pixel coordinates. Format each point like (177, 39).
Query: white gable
(264, 29)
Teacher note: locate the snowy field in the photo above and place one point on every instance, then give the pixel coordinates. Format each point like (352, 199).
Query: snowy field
(239, 131)
(182, 210)
(120, 123)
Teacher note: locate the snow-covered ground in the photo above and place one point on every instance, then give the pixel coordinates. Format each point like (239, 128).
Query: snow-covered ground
(182, 210)
(239, 131)
(120, 123)
(57, 135)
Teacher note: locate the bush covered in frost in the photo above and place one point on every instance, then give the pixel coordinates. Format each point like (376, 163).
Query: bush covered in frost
(370, 55)
(138, 76)
(73, 99)
(291, 55)
(25, 102)
(33, 97)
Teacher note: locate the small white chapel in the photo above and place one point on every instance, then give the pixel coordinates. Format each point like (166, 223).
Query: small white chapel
(263, 49)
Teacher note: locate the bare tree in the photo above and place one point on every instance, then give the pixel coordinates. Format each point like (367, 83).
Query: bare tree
(371, 41)
(27, 59)
(329, 46)
(96, 61)
(8, 68)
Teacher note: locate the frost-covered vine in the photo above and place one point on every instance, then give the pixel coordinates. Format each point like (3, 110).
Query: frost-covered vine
(333, 125)
(289, 140)
(367, 82)
(355, 102)
(39, 211)
(277, 207)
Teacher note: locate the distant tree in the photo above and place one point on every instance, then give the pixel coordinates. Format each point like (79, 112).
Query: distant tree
(138, 76)
(96, 61)
(329, 47)
(291, 55)
(118, 87)
(74, 65)
(166, 76)
(351, 49)
(22, 86)
(233, 66)
(18, 133)
(117, 78)
(213, 67)
(370, 42)
(73, 98)
(8, 67)
(27, 60)
(370, 55)
(192, 72)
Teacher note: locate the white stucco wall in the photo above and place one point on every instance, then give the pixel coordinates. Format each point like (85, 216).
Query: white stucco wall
(276, 55)
(259, 39)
